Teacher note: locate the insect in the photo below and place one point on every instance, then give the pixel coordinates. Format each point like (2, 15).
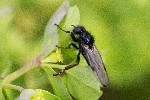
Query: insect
(89, 51)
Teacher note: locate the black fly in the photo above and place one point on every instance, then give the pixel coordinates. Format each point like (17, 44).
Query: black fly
(89, 51)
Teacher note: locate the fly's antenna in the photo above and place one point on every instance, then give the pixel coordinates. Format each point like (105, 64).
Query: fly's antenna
(62, 29)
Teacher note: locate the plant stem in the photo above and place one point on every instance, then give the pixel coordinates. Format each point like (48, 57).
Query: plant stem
(54, 66)
(21, 71)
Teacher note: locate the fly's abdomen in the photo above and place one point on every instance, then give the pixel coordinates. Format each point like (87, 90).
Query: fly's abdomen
(94, 60)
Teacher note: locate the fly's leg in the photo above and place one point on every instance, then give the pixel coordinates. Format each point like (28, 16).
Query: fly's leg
(62, 29)
(71, 33)
(71, 44)
(73, 37)
(70, 66)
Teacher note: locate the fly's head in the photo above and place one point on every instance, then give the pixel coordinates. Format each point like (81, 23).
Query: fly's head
(79, 30)
(84, 36)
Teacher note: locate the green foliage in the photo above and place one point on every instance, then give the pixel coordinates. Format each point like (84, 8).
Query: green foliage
(57, 84)
(72, 18)
(121, 31)
(51, 36)
(82, 83)
(90, 89)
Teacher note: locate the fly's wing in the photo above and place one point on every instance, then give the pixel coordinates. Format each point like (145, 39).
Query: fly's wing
(94, 60)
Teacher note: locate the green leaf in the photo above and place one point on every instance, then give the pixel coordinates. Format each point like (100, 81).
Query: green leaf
(51, 37)
(72, 18)
(38, 94)
(57, 84)
(82, 84)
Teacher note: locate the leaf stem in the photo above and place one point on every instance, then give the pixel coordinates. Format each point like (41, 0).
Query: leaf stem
(54, 66)
(33, 64)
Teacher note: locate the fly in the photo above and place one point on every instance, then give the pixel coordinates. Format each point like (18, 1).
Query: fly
(88, 49)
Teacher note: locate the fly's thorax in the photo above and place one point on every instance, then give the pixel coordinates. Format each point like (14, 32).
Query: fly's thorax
(87, 39)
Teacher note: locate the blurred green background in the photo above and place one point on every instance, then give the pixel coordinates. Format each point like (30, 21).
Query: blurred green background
(122, 34)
